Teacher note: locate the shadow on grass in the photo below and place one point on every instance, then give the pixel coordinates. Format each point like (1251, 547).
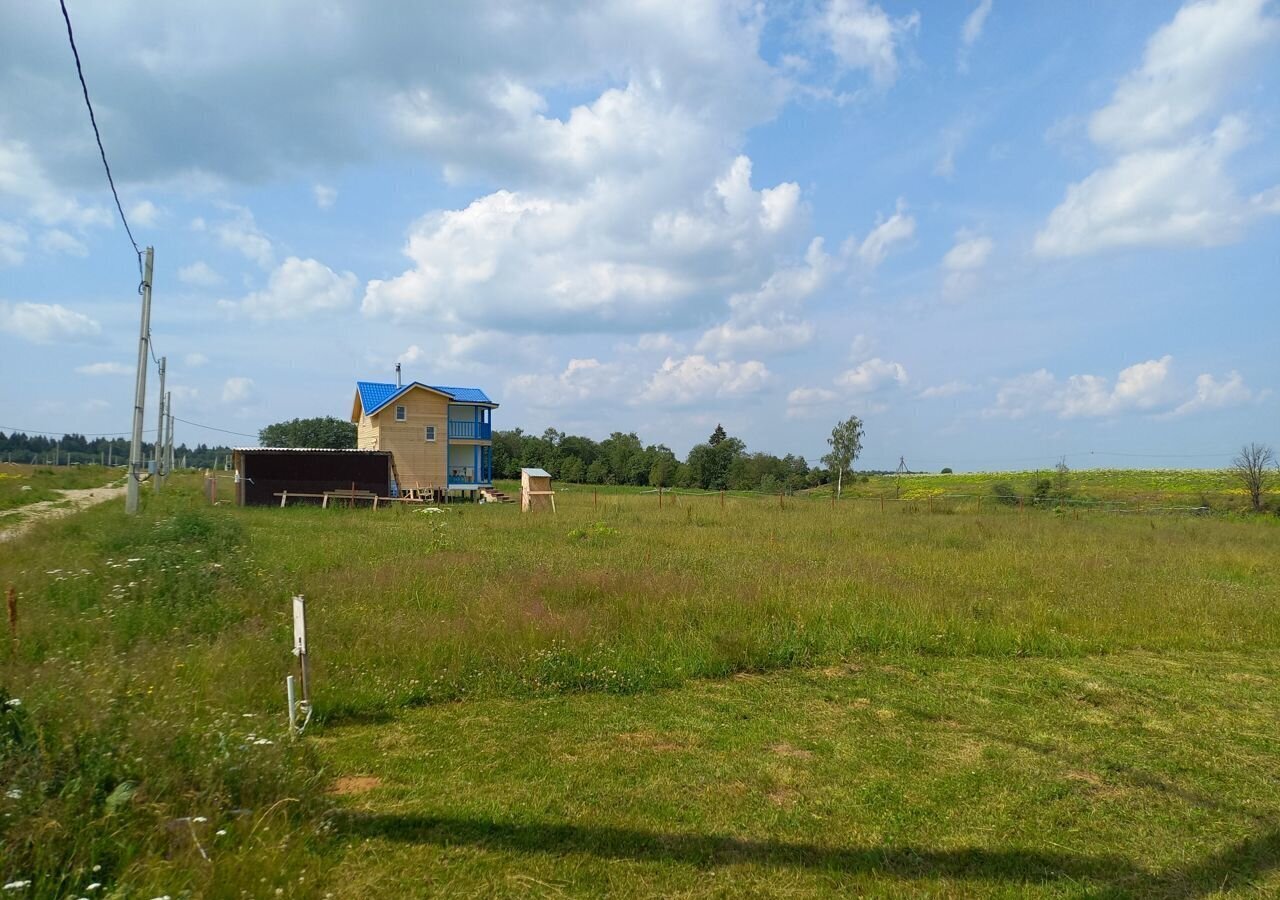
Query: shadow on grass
(714, 850)
(1109, 875)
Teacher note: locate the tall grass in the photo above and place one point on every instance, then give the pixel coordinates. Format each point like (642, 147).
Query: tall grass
(147, 752)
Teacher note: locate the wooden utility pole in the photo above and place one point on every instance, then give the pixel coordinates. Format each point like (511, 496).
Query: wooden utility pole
(140, 390)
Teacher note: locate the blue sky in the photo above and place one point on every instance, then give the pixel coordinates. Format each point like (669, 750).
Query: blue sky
(998, 232)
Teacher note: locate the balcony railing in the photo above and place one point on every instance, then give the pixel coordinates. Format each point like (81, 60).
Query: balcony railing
(467, 475)
(473, 431)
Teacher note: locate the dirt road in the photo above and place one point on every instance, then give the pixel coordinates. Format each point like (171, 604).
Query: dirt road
(16, 522)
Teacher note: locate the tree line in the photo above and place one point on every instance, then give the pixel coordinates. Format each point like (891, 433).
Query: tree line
(77, 449)
(721, 462)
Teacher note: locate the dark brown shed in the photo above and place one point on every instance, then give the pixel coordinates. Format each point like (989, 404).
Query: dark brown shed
(262, 473)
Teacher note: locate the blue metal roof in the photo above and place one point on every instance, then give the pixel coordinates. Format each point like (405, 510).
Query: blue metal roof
(376, 394)
(463, 394)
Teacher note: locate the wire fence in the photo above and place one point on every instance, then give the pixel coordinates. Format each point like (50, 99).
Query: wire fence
(944, 503)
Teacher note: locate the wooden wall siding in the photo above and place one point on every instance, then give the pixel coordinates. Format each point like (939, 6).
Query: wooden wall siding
(418, 462)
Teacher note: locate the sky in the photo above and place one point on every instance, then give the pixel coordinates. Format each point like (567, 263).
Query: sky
(999, 233)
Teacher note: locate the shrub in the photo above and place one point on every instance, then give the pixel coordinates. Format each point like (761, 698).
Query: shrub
(1004, 493)
(946, 470)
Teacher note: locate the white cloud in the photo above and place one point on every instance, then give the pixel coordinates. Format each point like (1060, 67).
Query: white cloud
(144, 214)
(695, 379)
(765, 320)
(963, 261)
(582, 380)
(194, 360)
(1172, 196)
(1170, 184)
(1146, 387)
(105, 368)
(237, 389)
(1212, 393)
(1190, 66)
(241, 233)
(298, 287)
(23, 178)
(895, 229)
(324, 195)
(804, 402)
(13, 244)
(199, 274)
(974, 23)
(58, 241)
(615, 258)
(864, 36)
(873, 375)
(947, 389)
(44, 323)
(971, 31)
(862, 348)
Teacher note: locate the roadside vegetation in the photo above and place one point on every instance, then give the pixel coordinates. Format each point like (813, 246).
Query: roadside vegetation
(737, 695)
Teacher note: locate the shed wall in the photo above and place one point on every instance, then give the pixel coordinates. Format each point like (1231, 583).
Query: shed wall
(264, 474)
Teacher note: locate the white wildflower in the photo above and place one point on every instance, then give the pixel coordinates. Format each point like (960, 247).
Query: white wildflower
(94, 886)
(15, 885)
(16, 701)
(199, 819)
(221, 832)
(14, 793)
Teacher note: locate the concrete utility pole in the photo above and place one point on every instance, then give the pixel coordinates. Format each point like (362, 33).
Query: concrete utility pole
(160, 423)
(168, 435)
(140, 390)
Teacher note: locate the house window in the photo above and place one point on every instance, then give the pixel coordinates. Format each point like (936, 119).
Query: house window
(400, 416)
(430, 434)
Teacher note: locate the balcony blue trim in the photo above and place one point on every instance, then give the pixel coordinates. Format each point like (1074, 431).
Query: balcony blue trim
(470, 431)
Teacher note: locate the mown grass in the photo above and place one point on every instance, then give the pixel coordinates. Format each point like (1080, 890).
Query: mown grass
(1126, 775)
(151, 652)
(22, 484)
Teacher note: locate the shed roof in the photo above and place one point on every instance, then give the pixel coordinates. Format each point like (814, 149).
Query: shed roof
(536, 473)
(309, 450)
(376, 394)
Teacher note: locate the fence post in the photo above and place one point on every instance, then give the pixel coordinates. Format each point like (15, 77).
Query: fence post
(881, 503)
(595, 499)
(722, 498)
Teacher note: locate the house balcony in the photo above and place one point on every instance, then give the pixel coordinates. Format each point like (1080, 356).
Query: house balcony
(468, 478)
(470, 431)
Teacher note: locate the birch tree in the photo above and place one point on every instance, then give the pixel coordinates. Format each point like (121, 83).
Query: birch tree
(846, 444)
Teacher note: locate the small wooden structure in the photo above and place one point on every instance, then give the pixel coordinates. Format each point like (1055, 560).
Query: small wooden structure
(535, 490)
(263, 474)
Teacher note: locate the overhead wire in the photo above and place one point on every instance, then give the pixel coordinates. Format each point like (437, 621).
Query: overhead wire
(98, 136)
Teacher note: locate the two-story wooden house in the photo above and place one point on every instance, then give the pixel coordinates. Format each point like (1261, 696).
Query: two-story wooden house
(440, 438)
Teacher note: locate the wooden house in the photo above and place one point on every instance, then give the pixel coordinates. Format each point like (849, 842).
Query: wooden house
(440, 438)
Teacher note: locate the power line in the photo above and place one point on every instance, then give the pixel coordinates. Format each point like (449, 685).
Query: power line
(11, 430)
(211, 428)
(98, 136)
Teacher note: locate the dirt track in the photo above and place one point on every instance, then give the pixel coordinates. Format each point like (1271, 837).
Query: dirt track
(19, 520)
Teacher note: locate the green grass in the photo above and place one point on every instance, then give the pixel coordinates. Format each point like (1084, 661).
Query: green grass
(1129, 775)
(700, 699)
(21, 485)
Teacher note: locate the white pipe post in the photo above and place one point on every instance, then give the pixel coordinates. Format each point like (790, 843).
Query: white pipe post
(140, 390)
(293, 706)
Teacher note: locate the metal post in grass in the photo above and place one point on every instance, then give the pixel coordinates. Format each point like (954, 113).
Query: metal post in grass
(300, 643)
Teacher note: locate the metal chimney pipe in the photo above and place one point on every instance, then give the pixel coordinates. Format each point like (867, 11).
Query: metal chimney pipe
(398, 384)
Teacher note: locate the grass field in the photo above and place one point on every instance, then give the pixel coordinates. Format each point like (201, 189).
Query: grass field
(697, 700)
